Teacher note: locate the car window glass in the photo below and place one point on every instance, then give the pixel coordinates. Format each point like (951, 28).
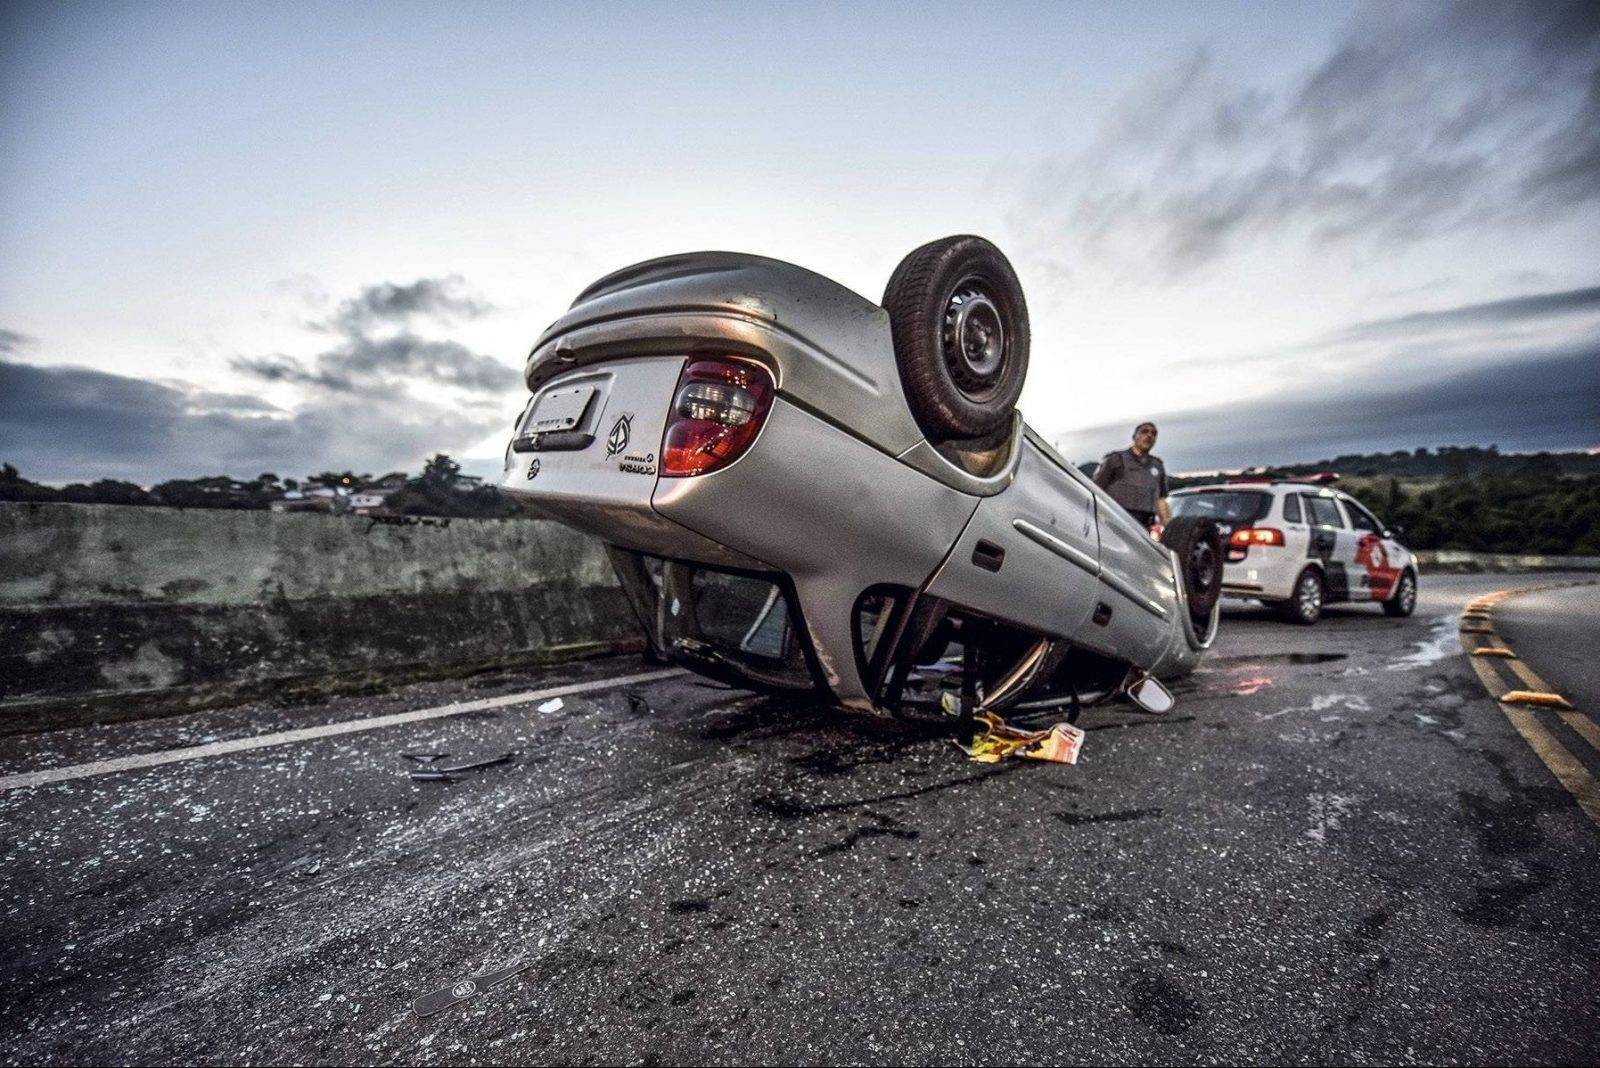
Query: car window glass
(1226, 506)
(1360, 518)
(1324, 512)
(1291, 509)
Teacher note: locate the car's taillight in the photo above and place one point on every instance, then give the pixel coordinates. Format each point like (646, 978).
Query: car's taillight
(716, 413)
(1245, 537)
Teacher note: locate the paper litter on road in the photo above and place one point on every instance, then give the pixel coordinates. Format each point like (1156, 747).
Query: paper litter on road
(552, 705)
(1059, 744)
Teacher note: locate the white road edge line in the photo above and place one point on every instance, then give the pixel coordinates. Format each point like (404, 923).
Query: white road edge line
(326, 730)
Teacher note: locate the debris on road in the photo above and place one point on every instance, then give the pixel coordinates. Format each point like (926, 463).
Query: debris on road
(1060, 743)
(431, 772)
(437, 1001)
(552, 705)
(638, 706)
(424, 758)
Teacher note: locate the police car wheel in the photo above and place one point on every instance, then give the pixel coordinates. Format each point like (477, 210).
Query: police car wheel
(960, 329)
(1403, 601)
(1305, 603)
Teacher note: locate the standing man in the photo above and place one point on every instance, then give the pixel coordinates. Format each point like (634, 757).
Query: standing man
(1136, 479)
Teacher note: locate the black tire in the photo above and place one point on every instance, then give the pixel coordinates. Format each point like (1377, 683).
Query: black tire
(1304, 605)
(960, 327)
(1403, 601)
(1198, 545)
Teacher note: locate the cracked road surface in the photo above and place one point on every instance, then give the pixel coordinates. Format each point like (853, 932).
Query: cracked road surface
(1334, 849)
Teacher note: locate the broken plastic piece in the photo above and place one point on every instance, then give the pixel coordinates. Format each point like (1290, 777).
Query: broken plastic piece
(454, 994)
(432, 772)
(424, 758)
(552, 705)
(1535, 697)
(638, 705)
(475, 764)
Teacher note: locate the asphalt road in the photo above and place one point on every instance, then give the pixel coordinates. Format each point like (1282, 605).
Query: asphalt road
(1558, 633)
(1336, 848)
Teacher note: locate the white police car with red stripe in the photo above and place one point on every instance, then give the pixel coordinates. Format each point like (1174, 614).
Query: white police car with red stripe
(1299, 545)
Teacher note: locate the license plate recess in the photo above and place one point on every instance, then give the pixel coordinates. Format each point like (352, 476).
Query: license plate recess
(560, 409)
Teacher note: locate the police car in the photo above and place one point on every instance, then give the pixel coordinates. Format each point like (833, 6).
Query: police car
(1297, 545)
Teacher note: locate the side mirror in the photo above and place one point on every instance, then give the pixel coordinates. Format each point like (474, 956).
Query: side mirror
(1150, 695)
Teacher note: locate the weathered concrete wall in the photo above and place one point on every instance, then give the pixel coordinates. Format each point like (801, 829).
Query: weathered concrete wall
(106, 610)
(1459, 560)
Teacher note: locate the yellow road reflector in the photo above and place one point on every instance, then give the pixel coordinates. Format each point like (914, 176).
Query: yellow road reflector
(1494, 650)
(1535, 697)
(1477, 630)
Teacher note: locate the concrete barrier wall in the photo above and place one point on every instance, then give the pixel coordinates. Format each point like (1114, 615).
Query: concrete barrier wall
(108, 610)
(1459, 560)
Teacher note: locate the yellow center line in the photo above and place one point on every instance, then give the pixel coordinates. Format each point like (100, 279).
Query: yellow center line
(1573, 775)
(1529, 676)
(1583, 727)
(1568, 770)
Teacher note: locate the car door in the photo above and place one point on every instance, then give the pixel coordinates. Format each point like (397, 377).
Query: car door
(1377, 566)
(1031, 553)
(1332, 543)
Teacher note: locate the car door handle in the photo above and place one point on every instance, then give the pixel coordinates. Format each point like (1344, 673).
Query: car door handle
(988, 555)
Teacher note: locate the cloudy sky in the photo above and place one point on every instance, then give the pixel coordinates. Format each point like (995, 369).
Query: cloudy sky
(294, 236)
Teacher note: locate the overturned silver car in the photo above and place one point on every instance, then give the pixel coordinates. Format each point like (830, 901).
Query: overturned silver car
(803, 490)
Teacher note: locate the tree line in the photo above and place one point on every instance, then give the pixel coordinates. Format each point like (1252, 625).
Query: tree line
(437, 491)
(1476, 499)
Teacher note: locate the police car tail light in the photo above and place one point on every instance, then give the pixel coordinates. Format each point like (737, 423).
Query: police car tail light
(1245, 537)
(717, 411)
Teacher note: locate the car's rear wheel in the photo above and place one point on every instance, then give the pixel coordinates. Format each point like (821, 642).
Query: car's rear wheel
(1403, 601)
(1198, 545)
(1305, 603)
(960, 327)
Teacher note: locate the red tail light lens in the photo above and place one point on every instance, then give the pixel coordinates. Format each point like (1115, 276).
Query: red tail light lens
(1245, 537)
(717, 411)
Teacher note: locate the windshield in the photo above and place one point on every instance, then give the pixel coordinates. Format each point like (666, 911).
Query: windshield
(1225, 506)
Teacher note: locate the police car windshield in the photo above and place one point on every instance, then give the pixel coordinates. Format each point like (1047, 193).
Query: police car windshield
(1225, 506)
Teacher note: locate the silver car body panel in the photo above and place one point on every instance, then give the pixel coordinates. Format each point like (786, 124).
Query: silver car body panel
(840, 491)
(828, 347)
(860, 519)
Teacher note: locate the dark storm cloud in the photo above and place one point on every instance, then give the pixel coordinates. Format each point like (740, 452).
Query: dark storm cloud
(376, 363)
(13, 342)
(1421, 121)
(1511, 310)
(290, 370)
(61, 423)
(379, 350)
(444, 299)
(1547, 402)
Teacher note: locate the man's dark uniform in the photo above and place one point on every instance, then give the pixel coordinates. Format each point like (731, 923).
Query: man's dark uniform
(1133, 481)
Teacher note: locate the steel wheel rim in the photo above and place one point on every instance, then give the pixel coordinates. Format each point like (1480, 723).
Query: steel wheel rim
(1310, 596)
(974, 339)
(1203, 562)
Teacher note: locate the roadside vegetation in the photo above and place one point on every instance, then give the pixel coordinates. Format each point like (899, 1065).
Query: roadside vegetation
(1476, 499)
(440, 490)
